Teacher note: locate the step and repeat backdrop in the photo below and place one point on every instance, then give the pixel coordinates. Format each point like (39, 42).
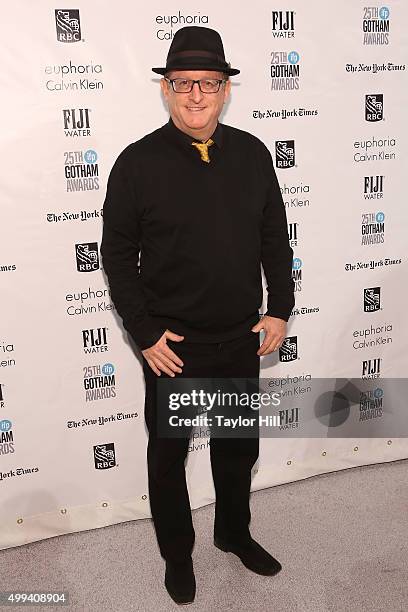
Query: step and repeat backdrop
(324, 85)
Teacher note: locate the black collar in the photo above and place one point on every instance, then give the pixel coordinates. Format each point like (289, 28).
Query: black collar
(184, 139)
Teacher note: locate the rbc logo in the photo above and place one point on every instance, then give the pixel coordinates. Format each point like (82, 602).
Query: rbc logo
(87, 257)
(68, 25)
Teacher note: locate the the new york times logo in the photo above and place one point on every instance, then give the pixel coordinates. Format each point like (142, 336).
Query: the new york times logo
(76, 122)
(289, 349)
(285, 70)
(283, 24)
(87, 256)
(376, 25)
(374, 187)
(297, 273)
(68, 25)
(371, 404)
(81, 170)
(371, 368)
(372, 228)
(372, 299)
(104, 456)
(99, 382)
(374, 107)
(285, 153)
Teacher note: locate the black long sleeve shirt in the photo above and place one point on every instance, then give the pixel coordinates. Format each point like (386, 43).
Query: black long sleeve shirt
(202, 231)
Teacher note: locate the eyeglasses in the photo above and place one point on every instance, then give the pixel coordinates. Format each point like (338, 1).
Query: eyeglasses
(186, 85)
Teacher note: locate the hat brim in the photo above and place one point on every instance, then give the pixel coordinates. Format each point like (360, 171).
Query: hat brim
(194, 66)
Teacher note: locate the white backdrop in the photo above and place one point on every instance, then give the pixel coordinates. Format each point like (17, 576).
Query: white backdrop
(69, 108)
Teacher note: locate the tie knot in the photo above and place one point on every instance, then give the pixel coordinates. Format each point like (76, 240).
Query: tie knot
(202, 147)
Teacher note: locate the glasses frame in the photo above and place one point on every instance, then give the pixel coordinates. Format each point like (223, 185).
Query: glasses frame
(193, 81)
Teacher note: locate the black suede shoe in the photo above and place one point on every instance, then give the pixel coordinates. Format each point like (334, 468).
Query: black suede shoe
(252, 555)
(180, 581)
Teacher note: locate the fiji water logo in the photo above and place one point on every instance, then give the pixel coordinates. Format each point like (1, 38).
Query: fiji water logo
(283, 24)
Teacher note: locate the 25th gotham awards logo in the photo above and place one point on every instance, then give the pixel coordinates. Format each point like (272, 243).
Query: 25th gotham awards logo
(285, 70)
(285, 153)
(95, 340)
(81, 170)
(374, 187)
(6, 437)
(99, 382)
(371, 404)
(376, 25)
(76, 122)
(104, 456)
(372, 299)
(289, 349)
(283, 24)
(374, 107)
(372, 228)
(87, 256)
(68, 25)
(297, 273)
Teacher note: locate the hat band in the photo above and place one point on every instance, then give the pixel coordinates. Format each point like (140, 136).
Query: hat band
(191, 53)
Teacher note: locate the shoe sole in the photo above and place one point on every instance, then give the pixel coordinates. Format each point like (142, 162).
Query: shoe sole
(257, 570)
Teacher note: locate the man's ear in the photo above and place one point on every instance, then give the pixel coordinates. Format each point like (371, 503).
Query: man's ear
(163, 85)
(227, 90)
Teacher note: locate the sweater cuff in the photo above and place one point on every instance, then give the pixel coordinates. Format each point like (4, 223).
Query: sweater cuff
(280, 314)
(146, 333)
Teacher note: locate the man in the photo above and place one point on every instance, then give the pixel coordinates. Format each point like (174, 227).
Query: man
(200, 202)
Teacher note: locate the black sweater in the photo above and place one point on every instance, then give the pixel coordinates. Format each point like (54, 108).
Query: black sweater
(202, 231)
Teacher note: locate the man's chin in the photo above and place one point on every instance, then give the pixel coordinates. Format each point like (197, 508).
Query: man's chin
(196, 122)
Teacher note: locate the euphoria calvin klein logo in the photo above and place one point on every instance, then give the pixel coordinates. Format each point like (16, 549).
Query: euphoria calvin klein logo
(76, 121)
(99, 382)
(81, 170)
(104, 456)
(373, 187)
(372, 228)
(289, 349)
(6, 437)
(371, 368)
(293, 234)
(283, 24)
(376, 25)
(297, 273)
(285, 153)
(374, 107)
(95, 340)
(372, 299)
(68, 25)
(87, 256)
(284, 70)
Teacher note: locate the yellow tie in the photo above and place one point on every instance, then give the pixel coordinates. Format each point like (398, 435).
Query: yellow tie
(203, 148)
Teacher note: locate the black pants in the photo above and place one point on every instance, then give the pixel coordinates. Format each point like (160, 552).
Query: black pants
(231, 458)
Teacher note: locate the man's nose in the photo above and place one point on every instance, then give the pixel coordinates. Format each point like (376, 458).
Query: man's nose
(195, 93)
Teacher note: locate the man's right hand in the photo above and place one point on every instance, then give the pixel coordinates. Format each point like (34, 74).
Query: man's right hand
(161, 358)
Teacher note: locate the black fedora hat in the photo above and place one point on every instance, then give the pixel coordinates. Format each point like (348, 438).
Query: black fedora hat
(196, 48)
